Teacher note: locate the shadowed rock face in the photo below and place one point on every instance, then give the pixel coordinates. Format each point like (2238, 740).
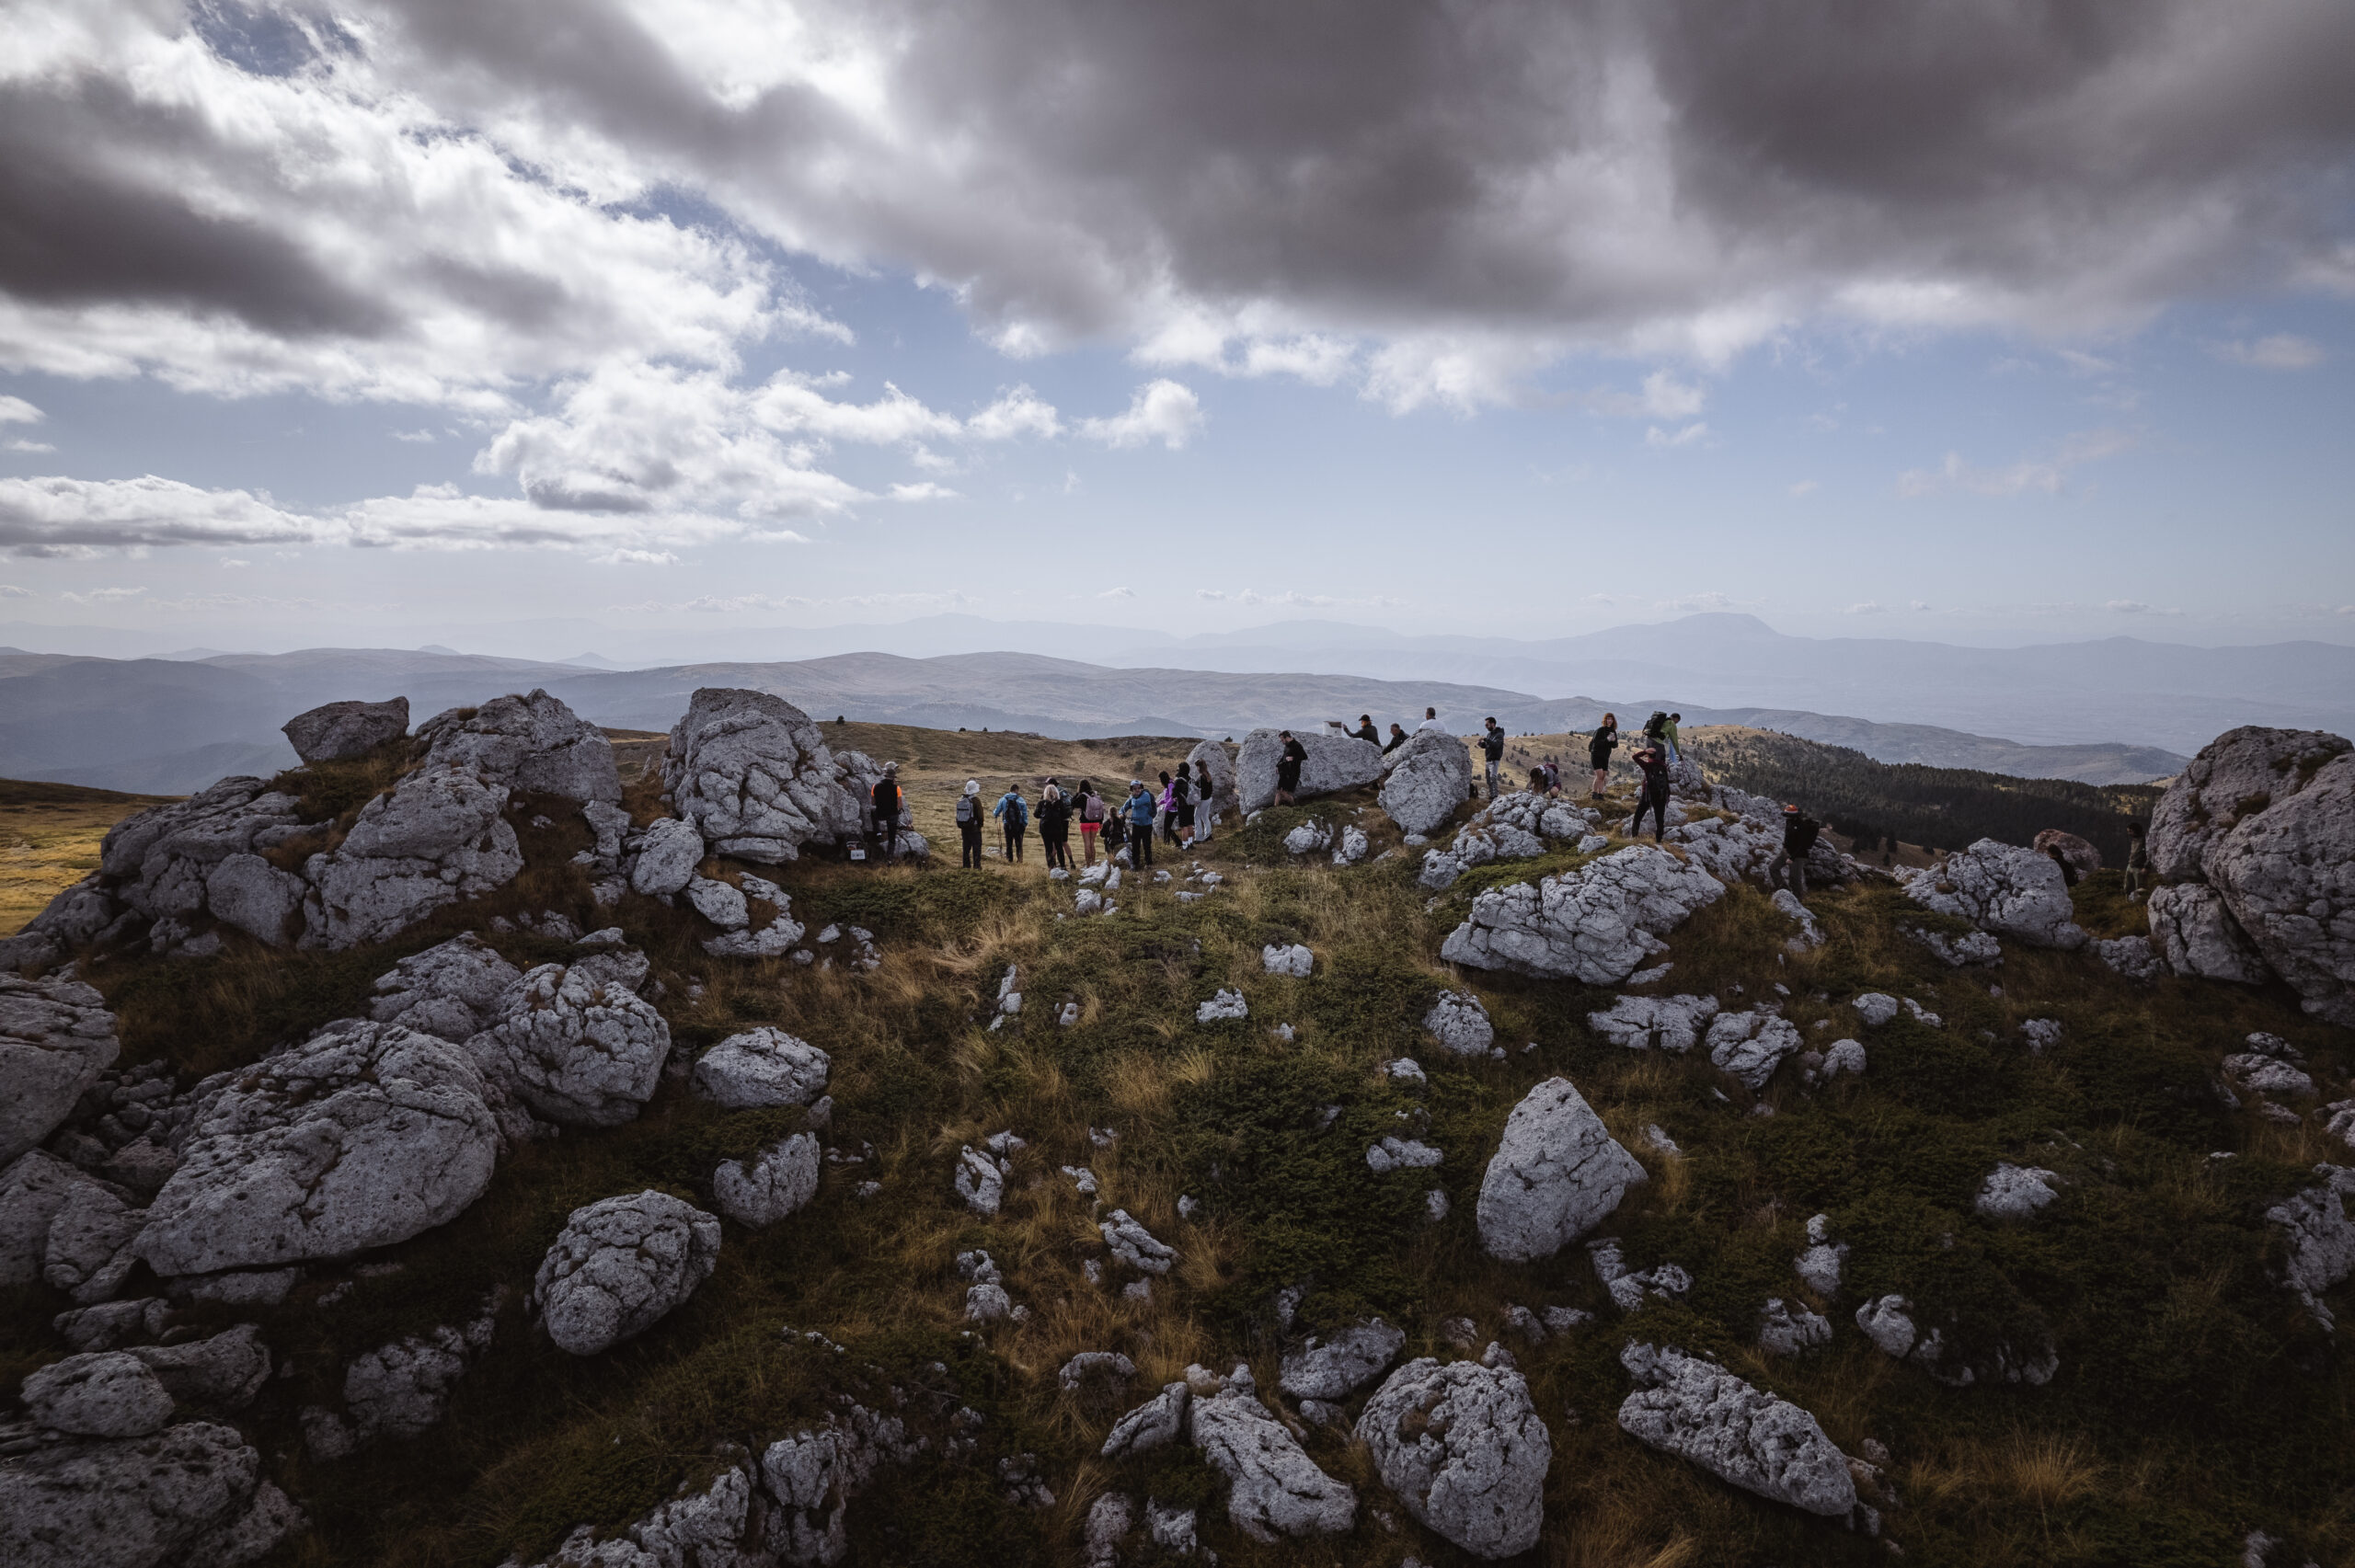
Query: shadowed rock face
(620, 1265)
(364, 1138)
(1462, 1447)
(440, 835)
(56, 1036)
(335, 732)
(191, 1492)
(1700, 1411)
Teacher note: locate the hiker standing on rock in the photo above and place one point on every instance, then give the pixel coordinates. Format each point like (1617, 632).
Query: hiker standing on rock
(1798, 837)
(1287, 768)
(1653, 760)
(886, 801)
(1492, 746)
(2137, 861)
(1013, 813)
(1142, 807)
(1599, 746)
(968, 823)
(1091, 820)
(1054, 826)
(1205, 803)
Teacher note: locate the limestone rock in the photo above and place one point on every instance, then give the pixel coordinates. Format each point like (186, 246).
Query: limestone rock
(1462, 1447)
(1787, 1330)
(452, 992)
(762, 1067)
(108, 1393)
(1335, 763)
(1224, 1005)
(2196, 935)
(534, 744)
(575, 1044)
(1820, 1265)
(1751, 1046)
(2132, 957)
(1110, 1519)
(1350, 849)
(159, 861)
(2083, 857)
(1957, 952)
(1875, 1008)
(1556, 1176)
(56, 1036)
(1459, 1023)
(667, 858)
(1221, 766)
(249, 893)
(1134, 1246)
(1886, 1322)
(88, 1253)
(1337, 1368)
(1425, 779)
(2318, 1237)
(75, 916)
(619, 1267)
(754, 774)
(365, 1137)
(698, 1528)
(403, 1389)
(1274, 1488)
(772, 1184)
(1655, 1023)
(1594, 923)
(718, 902)
(2003, 890)
(1401, 1154)
(1736, 850)
(2235, 776)
(1308, 838)
(226, 1370)
(1159, 1420)
(2015, 1192)
(337, 732)
(34, 1188)
(437, 836)
(981, 1180)
(2287, 874)
(1700, 1411)
(1295, 960)
(187, 1494)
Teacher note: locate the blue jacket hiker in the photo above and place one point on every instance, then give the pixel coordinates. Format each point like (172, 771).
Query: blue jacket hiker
(1014, 813)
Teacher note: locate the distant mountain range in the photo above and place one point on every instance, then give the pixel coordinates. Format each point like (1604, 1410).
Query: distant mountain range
(174, 726)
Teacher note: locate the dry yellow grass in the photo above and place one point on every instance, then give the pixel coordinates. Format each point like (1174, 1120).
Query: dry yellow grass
(49, 841)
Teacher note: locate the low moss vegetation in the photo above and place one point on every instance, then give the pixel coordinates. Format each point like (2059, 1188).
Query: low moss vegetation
(2195, 1400)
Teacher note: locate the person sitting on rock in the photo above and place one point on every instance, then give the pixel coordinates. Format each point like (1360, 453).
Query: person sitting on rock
(886, 802)
(1287, 768)
(1430, 721)
(2138, 860)
(1798, 837)
(1653, 760)
(1397, 738)
(1599, 746)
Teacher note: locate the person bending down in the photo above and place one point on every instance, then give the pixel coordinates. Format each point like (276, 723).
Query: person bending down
(1653, 760)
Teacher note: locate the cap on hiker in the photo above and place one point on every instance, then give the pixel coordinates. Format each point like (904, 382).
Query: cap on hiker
(1791, 810)
(972, 786)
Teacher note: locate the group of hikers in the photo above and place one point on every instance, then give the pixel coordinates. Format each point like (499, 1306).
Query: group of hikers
(1182, 811)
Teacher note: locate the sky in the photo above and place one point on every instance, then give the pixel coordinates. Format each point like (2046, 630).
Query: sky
(1992, 321)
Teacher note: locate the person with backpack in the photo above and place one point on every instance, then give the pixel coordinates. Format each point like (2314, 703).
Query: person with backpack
(2138, 860)
(1205, 803)
(1668, 733)
(886, 802)
(1492, 746)
(1655, 728)
(1288, 769)
(1091, 820)
(1141, 808)
(1181, 802)
(1054, 825)
(1013, 813)
(1552, 776)
(1599, 746)
(1168, 802)
(1653, 798)
(1800, 832)
(968, 823)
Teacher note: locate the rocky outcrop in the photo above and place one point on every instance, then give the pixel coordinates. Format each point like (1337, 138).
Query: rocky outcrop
(338, 732)
(1274, 1488)
(1788, 1330)
(775, 1182)
(106, 1393)
(1698, 1410)
(754, 776)
(190, 1494)
(532, 744)
(224, 1371)
(1424, 781)
(1134, 1246)
(1462, 1447)
(439, 836)
(1338, 1366)
(620, 1265)
(575, 1044)
(1751, 1046)
(1556, 1176)
(56, 1036)
(1460, 1024)
(2318, 1239)
(365, 1137)
(1335, 763)
(760, 1067)
(34, 1189)
(1158, 1421)
(1655, 1023)
(2235, 776)
(1595, 923)
(2003, 890)
(88, 1253)
(453, 992)
(2195, 934)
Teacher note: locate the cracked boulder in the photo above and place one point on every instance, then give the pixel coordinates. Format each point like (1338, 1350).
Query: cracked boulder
(337, 732)
(1557, 1175)
(620, 1265)
(754, 774)
(1751, 1046)
(190, 1494)
(1425, 779)
(2195, 934)
(771, 1185)
(1701, 1413)
(1462, 1447)
(1274, 1489)
(104, 1393)
(1594, 923)
(438, 837)
(2003, 889)
(1459, 1023)
(56, 1036)
(1338, 1366)
(1335, 763)
(366, 1136)
(534, 744)
(761, 1068)
(1655, 1023)
(452, 992)
(2318, 1237)
(576, 1045)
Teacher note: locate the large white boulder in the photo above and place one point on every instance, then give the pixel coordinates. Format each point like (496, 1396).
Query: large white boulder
(762, 1067)
(2003, 889)
(576, 1045)
(1462, 1447)
(2195, 934)
(1214, 754)
(2318, 1239)
(365, 1137)
(1698, 1410)
(619, 1267)
(771, 1185)
(1425, 779)
(1274, 1488)
(56, 1036)
(1335, 763)
(191, 1494)
(1595, 923)
(1655, 1023)
(1339, 1365)
(535, 745)
(667, 858)
(439, 836)
(452, 992)
(2288, 875)
(335, 732)
(2235, 776)
(1557, 1175)
(754, 774)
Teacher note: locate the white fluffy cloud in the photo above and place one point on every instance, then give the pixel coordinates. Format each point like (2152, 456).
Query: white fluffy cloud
(1164, 411)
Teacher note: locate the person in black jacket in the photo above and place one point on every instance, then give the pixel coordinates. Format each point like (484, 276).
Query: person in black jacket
(1800, 832)
(1599, 746)
(1397, 738)
(1492, 746)
(1181, 803)
(1364, 731)
(1054, 825)
(969, 817)
(1653, 760)
(887, 809)
(1288, 769)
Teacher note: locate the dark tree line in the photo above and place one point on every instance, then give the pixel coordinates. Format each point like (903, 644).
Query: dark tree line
(1944, 808)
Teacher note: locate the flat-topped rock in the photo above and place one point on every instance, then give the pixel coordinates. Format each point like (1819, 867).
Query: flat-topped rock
(534, 744)
(1335, 763)
(335, 732)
